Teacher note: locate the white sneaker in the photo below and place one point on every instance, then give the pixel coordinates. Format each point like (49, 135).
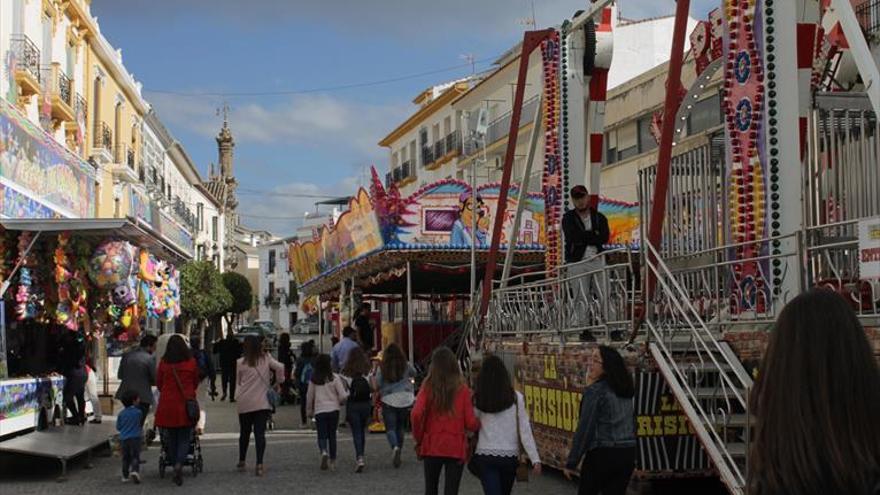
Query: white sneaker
(136, 477)
(359, 468)
(124, 479)
(325, 459)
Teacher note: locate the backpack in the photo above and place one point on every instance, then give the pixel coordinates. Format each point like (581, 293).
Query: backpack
(360, 390)
(305, 376)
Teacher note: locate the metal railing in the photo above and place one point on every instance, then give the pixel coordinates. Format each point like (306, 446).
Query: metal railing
(453, 142)
(81, 109)
(407, 170)
(427, 155)
(103, 136)
(27, 55)
(59, 83)
(129, 158)
(500, 126)
(868, 14)
(707, 379)
(439, 149)
(120, 153)
(590, 298)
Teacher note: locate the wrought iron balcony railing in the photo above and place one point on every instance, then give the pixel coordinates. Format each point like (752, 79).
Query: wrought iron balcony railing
(103, 136)
(27, 56)
(868, 14)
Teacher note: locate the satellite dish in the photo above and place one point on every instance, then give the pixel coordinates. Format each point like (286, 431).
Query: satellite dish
(482, 122)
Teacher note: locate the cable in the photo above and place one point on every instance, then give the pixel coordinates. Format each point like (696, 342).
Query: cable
(317, 90)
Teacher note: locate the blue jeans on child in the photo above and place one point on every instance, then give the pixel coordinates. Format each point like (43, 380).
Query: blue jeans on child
(394, 418)
(327, 424)
(358, 418)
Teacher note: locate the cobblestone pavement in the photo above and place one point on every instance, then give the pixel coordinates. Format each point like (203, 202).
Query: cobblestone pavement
(291, 465)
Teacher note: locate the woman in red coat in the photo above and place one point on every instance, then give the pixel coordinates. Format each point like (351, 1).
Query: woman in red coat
(442, 415)
(177, 380)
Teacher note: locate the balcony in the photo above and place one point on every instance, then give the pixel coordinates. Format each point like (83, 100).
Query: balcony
(868, 14)
(427, 155)
(60, 89)
(102, 143)
(272, 301)
(124, 169)
(27, 65)
(407, 173)
(499, 128)
(80, 108)
(440, 149)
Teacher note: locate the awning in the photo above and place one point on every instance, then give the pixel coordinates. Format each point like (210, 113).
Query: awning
(124, 228)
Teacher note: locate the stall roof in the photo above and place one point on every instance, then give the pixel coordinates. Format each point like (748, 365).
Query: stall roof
(125, 228)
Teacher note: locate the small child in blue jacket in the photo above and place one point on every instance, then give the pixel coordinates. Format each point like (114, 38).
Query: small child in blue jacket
(128, 424)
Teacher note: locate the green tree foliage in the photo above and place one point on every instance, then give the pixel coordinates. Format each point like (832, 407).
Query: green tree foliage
(242, 294)
(203, 295)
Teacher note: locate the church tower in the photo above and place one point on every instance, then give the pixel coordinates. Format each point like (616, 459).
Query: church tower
(225, 145)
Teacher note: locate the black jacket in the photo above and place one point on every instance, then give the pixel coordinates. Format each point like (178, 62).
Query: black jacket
(577, 238)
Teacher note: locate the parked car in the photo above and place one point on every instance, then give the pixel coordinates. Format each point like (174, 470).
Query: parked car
(305, 327)
(267, 324)
(261, 331)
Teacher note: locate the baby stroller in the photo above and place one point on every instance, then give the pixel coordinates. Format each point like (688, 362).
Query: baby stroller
(193, 458)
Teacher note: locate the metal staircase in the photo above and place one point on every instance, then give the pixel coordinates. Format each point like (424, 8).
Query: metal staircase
(704, 374)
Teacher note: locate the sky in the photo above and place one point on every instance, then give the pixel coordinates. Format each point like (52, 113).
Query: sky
(316, 138)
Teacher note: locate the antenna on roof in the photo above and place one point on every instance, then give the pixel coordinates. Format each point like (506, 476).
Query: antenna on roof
(529, 22)
(471, 59)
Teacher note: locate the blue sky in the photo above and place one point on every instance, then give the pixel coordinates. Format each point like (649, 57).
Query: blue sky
(317, 142)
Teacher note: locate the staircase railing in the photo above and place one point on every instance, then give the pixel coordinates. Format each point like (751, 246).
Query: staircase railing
(708, 380)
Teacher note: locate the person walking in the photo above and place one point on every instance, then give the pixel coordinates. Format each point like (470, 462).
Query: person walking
(605, 439)
(394, 382)
(229, 351)
(816, 401)
(441, 417)
(285, 357)
(365, 332)
(137, 372)
(324, 398)
(255, 371)
(72, 364)
(359, 408)
(340, 351)
(505, 430)
(205, 365)
(177, 380)
(131, 436)
(92, 392)
(302, 375)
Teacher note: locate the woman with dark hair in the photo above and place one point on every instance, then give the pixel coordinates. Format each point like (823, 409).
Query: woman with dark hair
(253, 380)
(504, 429)
(442, 416)
(359, 408)
(285, 357)
(302, 375)
(325, 396)
(177, 380)
(605, 438)
(394, 382)
(817, 401)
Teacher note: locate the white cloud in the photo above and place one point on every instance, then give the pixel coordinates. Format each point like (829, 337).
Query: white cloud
(282, 209)
(309, 120)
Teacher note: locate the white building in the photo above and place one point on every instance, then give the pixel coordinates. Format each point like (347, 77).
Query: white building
(455, 107)
(279, 299)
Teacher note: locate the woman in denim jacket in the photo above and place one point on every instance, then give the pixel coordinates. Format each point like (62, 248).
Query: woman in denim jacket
(605, 438)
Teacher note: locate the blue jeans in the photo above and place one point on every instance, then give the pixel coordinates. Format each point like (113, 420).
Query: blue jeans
(358, 416)
(177, 443)
(497, 474)
(394, 418)
(327, 424)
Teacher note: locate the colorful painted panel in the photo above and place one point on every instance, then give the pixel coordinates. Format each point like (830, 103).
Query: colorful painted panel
(43, 169)
(23, 399)
(623, 221)
(14, 204)
(175, 233)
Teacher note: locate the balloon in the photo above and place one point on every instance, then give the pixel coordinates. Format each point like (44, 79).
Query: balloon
(112, 264)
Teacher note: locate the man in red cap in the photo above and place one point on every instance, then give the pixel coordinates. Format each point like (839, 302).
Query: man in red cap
(586, 232)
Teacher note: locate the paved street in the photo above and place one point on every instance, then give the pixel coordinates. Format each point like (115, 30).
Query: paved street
(291, 461)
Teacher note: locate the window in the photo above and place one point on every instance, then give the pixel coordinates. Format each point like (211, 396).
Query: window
(611, 146)
(627, 141)
(447, 126)
(271, 267)
(200, 256)
(292, 295)
(215, 224)
(200, 216)
(705, 114)
(293, 316)
(646, 140)
(271, 290)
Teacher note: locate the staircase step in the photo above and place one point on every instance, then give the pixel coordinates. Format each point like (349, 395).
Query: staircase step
(732, 421)
(736, 449)
(713, 392)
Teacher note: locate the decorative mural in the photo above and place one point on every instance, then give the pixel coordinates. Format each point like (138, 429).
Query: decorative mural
(439, 216)
(41, 173)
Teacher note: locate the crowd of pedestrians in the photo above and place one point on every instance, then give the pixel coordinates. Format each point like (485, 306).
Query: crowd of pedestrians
(816, 399)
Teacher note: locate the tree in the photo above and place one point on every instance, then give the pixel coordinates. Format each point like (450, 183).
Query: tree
(242, 294)
(203, 296)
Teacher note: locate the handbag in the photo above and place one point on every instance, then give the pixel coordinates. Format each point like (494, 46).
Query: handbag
(522, 466)
(193, 411)
(271, 395)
